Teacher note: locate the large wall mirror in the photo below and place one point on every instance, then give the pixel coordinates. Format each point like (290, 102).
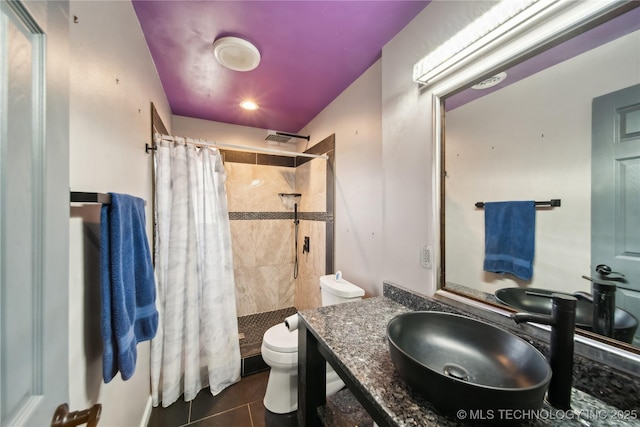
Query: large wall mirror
(537, 135)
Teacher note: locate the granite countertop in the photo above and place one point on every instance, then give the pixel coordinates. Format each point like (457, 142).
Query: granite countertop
(355, 333)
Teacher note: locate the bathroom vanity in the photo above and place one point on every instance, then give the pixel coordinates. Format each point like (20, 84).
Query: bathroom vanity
(352, 338)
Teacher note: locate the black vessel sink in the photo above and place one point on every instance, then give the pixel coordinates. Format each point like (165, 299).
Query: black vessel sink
(456, 362)
(534, 300)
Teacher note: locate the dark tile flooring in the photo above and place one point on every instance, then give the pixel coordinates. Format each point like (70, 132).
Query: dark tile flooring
(239, 405)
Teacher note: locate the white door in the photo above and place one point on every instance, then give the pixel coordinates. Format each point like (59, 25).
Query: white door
(615, 202)
(34, 206)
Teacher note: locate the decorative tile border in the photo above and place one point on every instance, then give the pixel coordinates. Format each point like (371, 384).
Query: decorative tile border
(250, 216)
(316, 216)
(303, 216)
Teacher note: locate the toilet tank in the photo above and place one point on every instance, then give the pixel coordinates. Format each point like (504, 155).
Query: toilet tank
(338, 291)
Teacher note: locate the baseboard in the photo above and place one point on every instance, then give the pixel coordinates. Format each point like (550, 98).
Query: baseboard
(147, 413)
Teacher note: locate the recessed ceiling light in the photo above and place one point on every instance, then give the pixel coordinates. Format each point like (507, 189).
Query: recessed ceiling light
(236, 54)
(249, 105)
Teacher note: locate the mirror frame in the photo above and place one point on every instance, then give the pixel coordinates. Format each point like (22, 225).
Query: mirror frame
(548, 28)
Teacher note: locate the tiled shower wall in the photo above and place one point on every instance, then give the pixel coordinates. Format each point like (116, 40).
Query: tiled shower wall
(262, 233)
(262, 245)
(311, 182)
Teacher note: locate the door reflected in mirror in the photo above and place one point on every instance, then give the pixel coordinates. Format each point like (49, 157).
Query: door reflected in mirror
(563, 125)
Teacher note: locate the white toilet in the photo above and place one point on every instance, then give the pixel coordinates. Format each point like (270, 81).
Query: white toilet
(280, 351)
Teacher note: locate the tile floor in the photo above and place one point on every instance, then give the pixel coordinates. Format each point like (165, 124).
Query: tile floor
(239, 405)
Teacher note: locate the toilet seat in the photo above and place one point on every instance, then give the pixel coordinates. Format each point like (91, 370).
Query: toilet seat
(279, 339)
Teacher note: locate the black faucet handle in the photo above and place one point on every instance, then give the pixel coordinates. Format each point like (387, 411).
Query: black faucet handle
(605, 270)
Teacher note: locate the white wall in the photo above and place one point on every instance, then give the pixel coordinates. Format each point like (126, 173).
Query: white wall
(355, 118)
(113, 81)
(407, 149)
(532, 140)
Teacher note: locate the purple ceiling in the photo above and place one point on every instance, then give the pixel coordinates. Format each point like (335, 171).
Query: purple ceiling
(310, 52)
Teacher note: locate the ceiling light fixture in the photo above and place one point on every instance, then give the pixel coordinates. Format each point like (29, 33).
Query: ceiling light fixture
(496, 22)
(236, 54)
(249, 105)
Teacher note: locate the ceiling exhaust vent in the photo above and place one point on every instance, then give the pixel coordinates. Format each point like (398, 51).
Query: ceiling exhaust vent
(274, 137)
(490, 82)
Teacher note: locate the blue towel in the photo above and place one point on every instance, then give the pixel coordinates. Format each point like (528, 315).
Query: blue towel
(509, 237)
(128, 291)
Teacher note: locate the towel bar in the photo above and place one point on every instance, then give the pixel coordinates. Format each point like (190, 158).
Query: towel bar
(82, 197)
(552, 203)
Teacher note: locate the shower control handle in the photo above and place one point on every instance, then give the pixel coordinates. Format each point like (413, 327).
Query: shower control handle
(305, 245)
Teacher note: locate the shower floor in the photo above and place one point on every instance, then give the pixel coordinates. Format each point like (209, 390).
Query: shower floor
(252, 327)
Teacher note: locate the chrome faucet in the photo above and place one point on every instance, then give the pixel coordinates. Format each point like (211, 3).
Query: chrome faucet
(562, 321)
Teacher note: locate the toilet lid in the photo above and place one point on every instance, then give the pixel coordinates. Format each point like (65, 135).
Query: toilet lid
(278, 338)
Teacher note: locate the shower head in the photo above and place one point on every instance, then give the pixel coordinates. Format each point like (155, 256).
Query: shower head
(283, 137)
(274, 137)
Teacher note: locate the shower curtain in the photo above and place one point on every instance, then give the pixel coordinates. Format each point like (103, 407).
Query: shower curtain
(197, 340)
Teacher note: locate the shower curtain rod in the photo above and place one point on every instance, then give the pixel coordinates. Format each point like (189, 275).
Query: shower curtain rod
(236, 147)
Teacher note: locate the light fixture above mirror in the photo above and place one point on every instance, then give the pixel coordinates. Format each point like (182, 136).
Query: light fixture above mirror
(502, 24)
(505, 17)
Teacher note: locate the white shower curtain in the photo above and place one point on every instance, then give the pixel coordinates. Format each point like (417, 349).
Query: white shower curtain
(197, 340)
